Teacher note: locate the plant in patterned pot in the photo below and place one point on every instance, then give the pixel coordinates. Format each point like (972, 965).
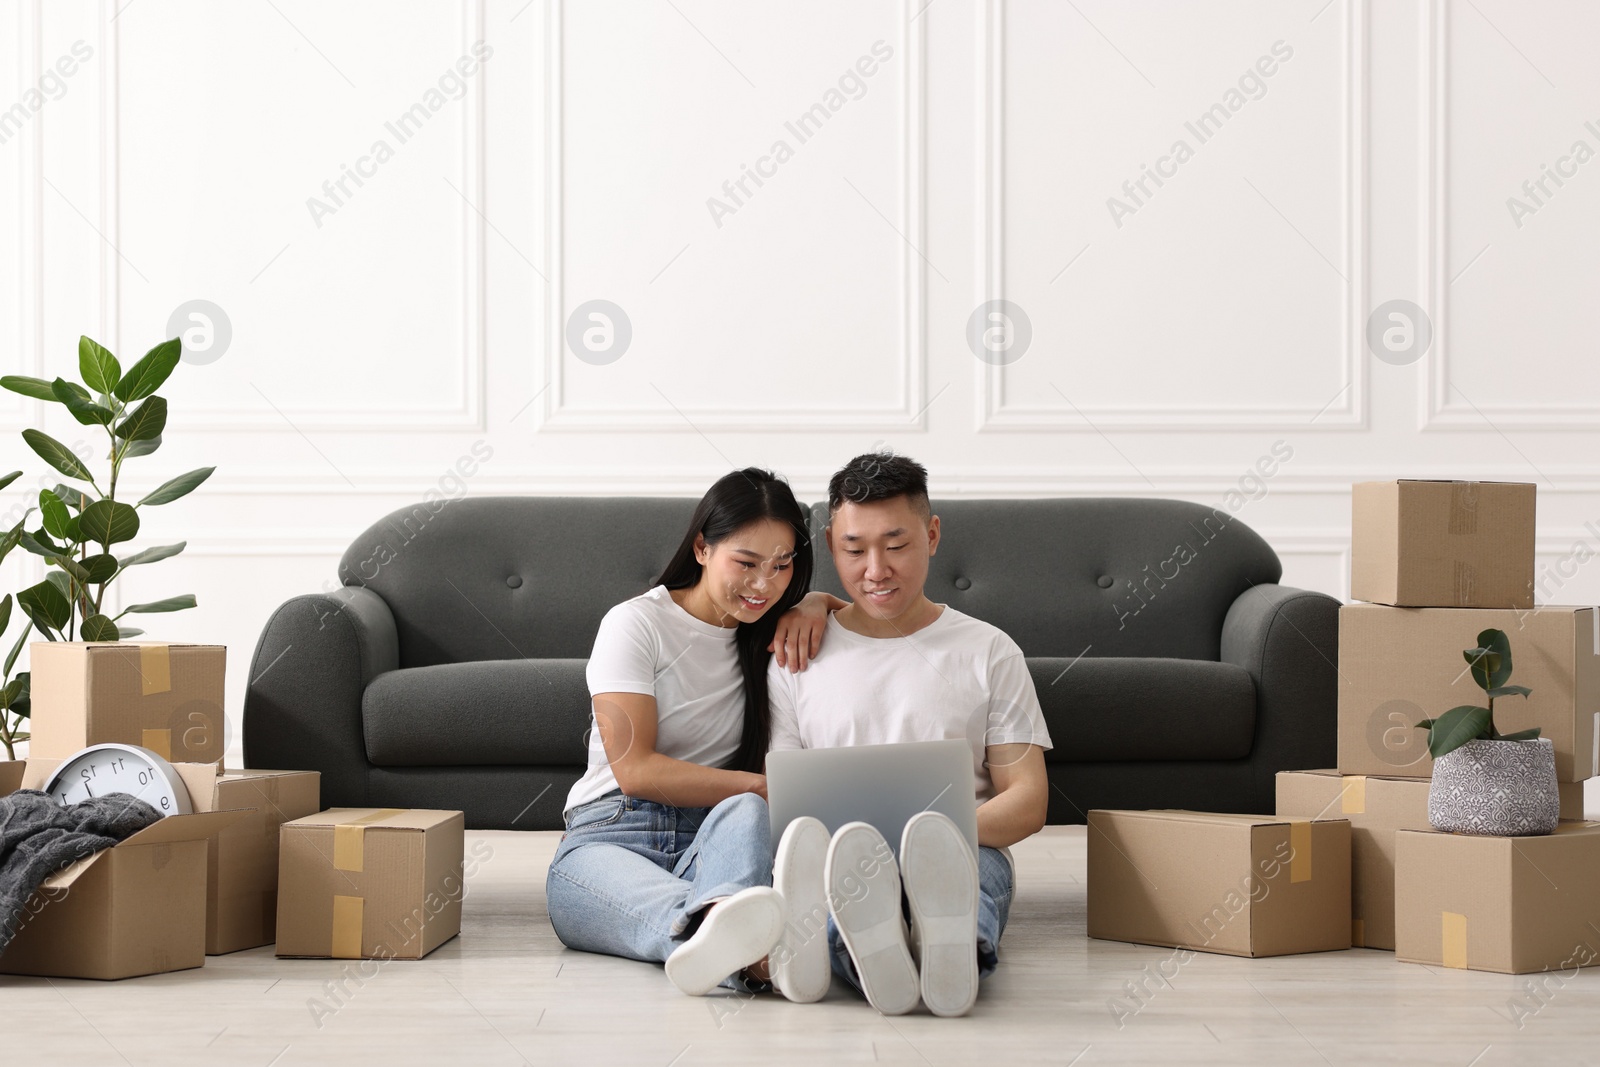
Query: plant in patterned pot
(1486, 782)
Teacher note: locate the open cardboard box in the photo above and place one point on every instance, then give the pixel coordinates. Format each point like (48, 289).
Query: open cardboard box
(164, 697)
(136, 908)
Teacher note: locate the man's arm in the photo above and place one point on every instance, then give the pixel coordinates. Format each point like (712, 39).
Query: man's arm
(1021, 795)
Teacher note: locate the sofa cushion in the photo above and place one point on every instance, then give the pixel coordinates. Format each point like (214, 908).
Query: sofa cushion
(1113, 710)
(519, 712)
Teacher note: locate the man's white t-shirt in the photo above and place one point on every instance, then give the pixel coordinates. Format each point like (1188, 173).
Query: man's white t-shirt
(958, 677)
(651, 645)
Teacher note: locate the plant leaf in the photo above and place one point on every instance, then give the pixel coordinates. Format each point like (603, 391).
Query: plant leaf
(1498, 643)
(141, 448)
(151, 555)
(97, 367)
(145, 421)
(172, 603)
(1456, 727)
(1520, 735)
(54, 513)
(126, 632)
(101, 568)
(182, 485)
(76, 499)
(77, 400)
(98, 628)
(57, 455)
(37, 388)
(108, 522)
(146, 376)
(45, 605)
(39, 544)
(5, 613)
(1426, 724)
(8, 479)
(1510, 690)
(72, 567)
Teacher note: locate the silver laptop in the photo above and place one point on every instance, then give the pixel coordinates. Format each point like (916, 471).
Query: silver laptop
(884, 785)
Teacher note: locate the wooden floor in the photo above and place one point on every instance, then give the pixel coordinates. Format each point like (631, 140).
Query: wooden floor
(507, 992)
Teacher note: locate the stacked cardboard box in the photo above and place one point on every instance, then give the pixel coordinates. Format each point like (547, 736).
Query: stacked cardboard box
(136, 908)
(1439, 562)
(167, 698)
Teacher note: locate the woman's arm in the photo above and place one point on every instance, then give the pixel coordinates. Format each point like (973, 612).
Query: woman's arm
(627, 723)
(799, 634)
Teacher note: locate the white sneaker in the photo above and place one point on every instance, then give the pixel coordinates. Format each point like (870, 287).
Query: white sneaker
(735, 933)
(864, 898)
(799, 962)
(941, 879)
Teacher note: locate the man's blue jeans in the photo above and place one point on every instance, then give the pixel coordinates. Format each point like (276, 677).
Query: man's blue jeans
(631, 877)
(995, 884)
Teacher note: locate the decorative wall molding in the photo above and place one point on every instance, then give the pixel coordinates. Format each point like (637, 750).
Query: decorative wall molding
(468, 414)
(905, 413)
(24, 308)
(1346, 411)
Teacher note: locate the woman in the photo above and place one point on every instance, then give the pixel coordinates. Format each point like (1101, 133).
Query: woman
(666, 855)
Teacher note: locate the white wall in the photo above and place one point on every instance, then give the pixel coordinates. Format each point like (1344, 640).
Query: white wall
(378, 337)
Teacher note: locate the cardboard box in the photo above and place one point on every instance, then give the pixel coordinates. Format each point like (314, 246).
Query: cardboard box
(370, 883)
(1398, 666)
(1425, 544)
(1244, 885)
(136, 908)
(1506, 904)
(1376, 806)
(242, 865)
(167, 698)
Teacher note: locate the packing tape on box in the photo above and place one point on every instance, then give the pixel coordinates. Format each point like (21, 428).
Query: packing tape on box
(1463, 507)
(1462, 582)
(1354, 798)
(1300, 851)
(158, 741)
(155, 669)
(1358, 933)
(349, 839)
(1453, 931)
(346, 942)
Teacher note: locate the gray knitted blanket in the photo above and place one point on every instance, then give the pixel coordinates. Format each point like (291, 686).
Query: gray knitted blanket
(39, 837)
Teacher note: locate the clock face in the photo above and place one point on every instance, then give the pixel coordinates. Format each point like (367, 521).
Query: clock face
(101, 769)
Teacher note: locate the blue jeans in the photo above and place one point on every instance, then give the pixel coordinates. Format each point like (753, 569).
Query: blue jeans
(994, 905)
(631, 877)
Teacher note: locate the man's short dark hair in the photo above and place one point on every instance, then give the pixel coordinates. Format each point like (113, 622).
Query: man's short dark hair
(880, 476)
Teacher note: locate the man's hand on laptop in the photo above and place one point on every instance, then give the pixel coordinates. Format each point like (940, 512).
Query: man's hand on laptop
(799, 634)
(1021, 798)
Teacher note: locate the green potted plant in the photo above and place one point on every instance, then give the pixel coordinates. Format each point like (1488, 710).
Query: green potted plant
(1486, 782)
(79, 527)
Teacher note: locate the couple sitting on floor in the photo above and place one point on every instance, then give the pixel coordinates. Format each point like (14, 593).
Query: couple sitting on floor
(667, 852)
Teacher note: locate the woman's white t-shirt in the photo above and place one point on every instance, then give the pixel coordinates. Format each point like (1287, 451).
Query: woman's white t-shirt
(651, 645)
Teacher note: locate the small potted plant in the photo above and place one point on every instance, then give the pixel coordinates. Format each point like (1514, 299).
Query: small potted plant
(1486, 782)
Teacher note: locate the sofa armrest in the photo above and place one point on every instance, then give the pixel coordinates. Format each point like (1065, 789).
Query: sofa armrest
(1288, 641)
(302, 706)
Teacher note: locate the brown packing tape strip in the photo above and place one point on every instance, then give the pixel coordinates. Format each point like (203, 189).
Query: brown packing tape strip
(346, 942)
(1354, 798)
(349, 839)
(158, 741)
(1300, 851)
(155, 669)
(1463, 581)
(1453, 938)
(1358, 933)
(1463, 507)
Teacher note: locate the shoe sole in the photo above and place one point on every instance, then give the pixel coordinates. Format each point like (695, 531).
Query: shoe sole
(864, 898)
(941, 881)
(734, 934)
(801, 970)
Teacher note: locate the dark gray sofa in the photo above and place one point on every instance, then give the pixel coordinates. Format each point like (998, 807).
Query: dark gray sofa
(447, 672)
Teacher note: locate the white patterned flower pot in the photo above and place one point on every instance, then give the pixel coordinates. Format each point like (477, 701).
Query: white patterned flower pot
(1496, 788)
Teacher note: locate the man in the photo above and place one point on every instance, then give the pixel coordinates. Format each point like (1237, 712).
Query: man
(895, 666)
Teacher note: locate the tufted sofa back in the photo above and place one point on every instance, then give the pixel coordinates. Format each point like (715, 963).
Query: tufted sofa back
(487, 578)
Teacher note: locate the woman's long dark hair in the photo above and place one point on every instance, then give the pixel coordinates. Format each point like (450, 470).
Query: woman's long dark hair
(734, 502)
